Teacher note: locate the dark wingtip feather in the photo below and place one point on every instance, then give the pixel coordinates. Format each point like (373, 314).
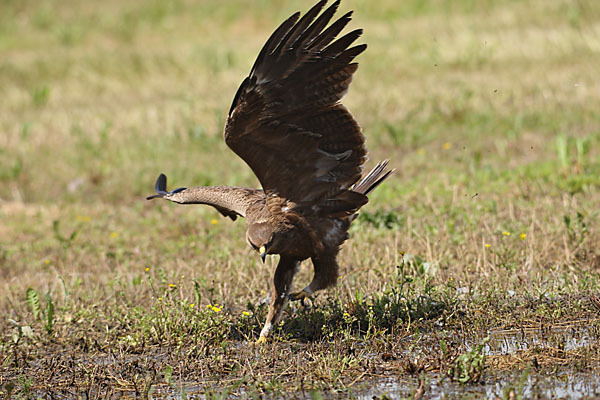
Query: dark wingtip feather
(331, 32)
(161, 184)
(341, 44)
(160, 187)
(299, 28)
(315, 28)
(274, 40)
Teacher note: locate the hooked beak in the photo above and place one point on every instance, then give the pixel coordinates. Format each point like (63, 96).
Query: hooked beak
(263, 253)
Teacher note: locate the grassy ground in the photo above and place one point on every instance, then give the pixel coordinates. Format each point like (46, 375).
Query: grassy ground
(489, 111)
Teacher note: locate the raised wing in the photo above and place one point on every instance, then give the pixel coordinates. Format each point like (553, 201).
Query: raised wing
(286, 121)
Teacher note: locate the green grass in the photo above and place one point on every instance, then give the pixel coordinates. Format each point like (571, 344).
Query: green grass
(489, 111)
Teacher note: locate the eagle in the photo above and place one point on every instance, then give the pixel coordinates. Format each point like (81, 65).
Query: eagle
(307, 151)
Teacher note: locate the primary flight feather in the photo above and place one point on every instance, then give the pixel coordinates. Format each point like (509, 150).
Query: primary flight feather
(307, 151)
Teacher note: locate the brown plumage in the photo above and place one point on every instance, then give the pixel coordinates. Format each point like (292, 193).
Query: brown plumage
(287, 123)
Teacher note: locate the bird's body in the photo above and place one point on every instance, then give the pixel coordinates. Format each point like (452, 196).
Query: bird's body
(305, 148)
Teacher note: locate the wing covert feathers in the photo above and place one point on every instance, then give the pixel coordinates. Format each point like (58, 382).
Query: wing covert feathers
(348, 202)
(286, 120)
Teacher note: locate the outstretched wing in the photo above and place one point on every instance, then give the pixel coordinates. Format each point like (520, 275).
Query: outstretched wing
(229, 201)
(286, 121)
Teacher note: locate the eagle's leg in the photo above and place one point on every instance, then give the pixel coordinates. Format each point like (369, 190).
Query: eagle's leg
(282, 283)
(326, 275)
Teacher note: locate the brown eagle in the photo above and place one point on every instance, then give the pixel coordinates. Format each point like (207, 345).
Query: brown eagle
(287, 123)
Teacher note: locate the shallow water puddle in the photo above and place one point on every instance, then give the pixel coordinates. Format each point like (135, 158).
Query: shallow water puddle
(555, 386)
(560, 386)
(564, 337)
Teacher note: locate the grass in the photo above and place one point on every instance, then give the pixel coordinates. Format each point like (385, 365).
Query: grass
(489, 111)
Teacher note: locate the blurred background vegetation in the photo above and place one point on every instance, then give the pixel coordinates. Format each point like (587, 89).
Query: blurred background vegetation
(98, 98)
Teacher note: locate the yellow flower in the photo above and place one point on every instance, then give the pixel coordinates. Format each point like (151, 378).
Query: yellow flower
(246, 313)
(46, 261)
(216, 309)
(214, 221)
(160, 299)
(147, 269)
(488, 245)
(505, 233)
(446, 146)
(192, 305)
(114, 235)
(172, 286)
(523, 236)
(346, 314)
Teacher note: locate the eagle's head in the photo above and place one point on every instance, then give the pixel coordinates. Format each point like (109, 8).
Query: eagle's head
(261, 237)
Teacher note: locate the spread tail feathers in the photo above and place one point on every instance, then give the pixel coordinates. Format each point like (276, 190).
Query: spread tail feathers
(370, 181)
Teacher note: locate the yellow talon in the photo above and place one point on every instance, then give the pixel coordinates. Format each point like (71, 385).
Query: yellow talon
(301, 295)
(261, 340)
